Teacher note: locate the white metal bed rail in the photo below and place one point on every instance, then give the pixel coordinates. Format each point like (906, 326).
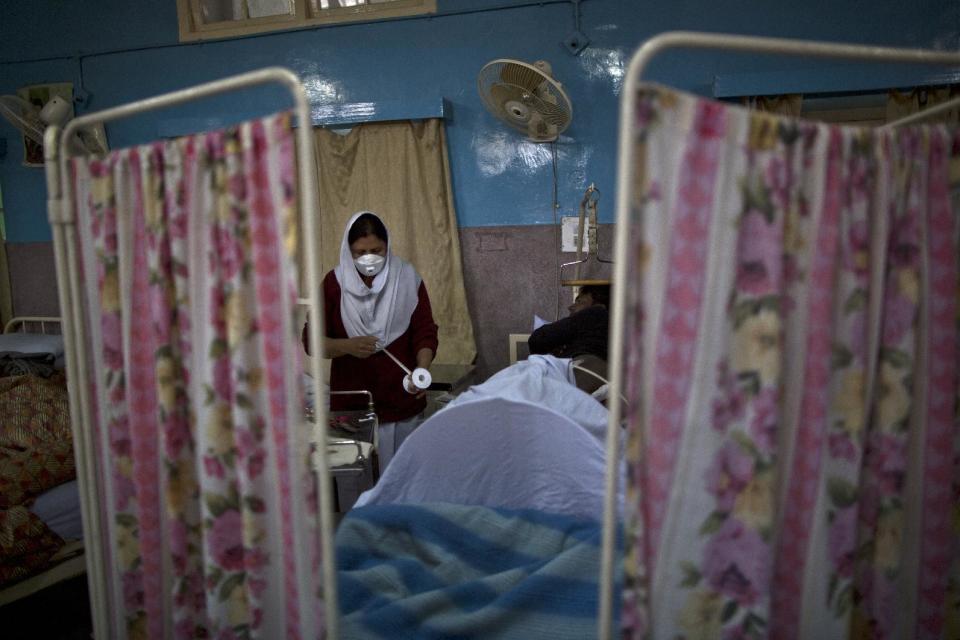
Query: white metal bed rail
(24, 323)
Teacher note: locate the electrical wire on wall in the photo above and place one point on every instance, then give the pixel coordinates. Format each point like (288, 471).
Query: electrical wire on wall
(556, 223)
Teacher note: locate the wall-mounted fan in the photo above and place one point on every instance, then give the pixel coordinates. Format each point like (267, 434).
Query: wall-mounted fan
(526, 97)
(32, 121)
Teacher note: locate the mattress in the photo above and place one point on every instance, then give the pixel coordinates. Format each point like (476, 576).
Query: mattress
(68, 562)
(58, 509)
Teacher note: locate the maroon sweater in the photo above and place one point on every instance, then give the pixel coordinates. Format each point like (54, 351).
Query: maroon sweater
(378, 374)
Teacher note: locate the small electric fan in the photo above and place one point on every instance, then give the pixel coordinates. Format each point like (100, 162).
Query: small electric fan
(526, 97)
(32, 121)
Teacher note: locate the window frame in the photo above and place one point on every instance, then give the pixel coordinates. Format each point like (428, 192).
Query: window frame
(305, 15)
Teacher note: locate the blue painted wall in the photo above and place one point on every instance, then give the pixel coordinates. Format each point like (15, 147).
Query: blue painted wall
(128, 50)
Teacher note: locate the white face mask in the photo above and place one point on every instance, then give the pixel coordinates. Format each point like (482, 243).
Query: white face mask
(369, 264)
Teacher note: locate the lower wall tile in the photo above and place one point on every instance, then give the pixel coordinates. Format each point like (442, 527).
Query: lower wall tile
(33, 279)
(511, 273)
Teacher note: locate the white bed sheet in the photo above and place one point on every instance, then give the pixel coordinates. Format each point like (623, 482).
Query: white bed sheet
(546, 381)
(59, 508)
(525, 439)
(31, 344)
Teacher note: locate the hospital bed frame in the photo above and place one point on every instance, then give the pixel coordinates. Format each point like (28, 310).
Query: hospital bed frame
(70, 561)
(353, 431)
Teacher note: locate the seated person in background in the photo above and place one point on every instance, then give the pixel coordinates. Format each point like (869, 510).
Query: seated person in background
(583, 332)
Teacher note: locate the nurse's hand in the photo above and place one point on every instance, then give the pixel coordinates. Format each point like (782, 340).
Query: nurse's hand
(361, 346)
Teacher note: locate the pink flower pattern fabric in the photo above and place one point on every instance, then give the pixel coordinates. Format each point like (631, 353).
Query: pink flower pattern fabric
(793, 403)
(212, 516)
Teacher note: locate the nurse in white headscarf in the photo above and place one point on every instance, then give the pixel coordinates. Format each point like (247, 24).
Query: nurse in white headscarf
(375, 300)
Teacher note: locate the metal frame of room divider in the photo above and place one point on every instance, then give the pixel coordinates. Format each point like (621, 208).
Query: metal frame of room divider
(63, 221)
(625, 175)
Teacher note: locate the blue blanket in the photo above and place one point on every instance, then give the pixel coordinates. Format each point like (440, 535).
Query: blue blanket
(453, 571)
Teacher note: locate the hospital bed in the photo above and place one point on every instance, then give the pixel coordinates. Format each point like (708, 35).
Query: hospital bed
(351, 450)
(486, 524)
(36, 451)
(353, 434)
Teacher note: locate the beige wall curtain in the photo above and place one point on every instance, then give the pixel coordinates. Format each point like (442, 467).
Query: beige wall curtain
(785, 105)
(905, 103)
(400, 171)
(6, 293)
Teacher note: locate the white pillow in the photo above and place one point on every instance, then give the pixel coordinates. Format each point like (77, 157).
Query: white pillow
(31, 344)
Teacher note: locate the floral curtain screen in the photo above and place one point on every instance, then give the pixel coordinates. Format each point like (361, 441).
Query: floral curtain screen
(793, 377)
(186, 248)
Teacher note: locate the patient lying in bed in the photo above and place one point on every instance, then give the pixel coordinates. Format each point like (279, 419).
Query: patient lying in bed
(527, 438)
(486, 524)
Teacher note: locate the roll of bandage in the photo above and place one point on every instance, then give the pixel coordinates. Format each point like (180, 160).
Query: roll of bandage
(418, 380)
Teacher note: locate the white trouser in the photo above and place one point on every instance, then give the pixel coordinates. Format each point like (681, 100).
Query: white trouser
(391, 436)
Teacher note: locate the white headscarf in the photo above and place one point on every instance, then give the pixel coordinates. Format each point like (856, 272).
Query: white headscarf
(383, 309)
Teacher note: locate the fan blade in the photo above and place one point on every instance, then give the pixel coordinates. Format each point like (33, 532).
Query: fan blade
(18, 106)
(521, 76)
(500, 94)
(554, 114)
(23, 116)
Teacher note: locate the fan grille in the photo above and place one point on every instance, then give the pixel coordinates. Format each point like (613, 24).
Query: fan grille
(22, 115)
(521, 76)
(524, 97)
